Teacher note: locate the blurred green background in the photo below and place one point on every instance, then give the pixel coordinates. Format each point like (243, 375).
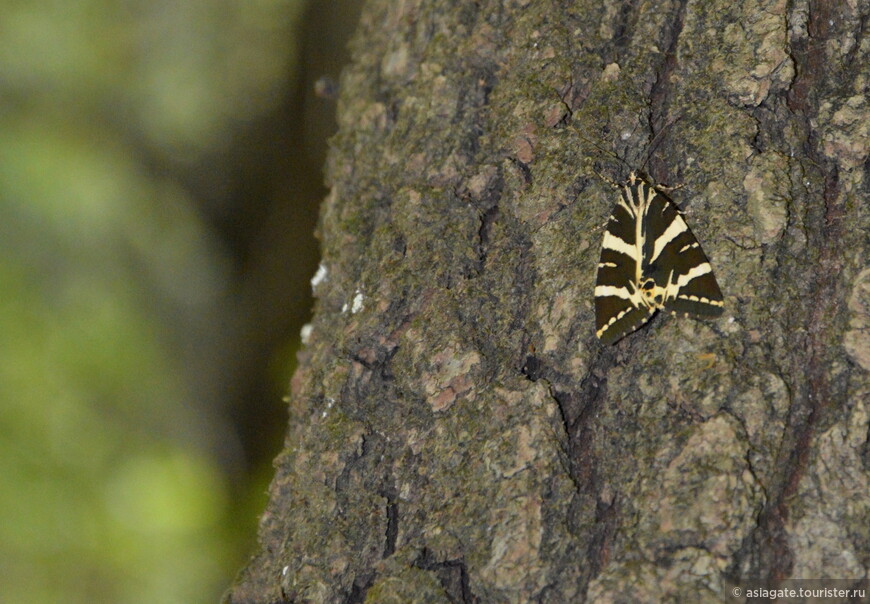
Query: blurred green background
(160, 174)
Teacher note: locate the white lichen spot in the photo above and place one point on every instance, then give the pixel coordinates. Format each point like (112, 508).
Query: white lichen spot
(319, 277)
(329, 403)
(284, 571)
(305, 333)
(344, 308)
(357, 304)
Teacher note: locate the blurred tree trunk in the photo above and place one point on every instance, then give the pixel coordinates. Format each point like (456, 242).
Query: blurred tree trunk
(458, 434)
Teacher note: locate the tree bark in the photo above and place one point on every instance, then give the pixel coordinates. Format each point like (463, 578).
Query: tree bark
(458, 434)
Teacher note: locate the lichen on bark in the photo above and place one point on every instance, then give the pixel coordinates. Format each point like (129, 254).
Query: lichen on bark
(456, 431)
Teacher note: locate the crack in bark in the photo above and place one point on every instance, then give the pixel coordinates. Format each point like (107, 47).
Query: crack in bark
(361, 585)
(582, 408)
(660, 92)
(578, 410)
(392, 532)
(805, 416)
(452, 574)
(487, 219)
(622, 30)
(525, 171)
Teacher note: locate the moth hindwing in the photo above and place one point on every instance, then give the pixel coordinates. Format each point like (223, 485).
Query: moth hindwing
(649, 261)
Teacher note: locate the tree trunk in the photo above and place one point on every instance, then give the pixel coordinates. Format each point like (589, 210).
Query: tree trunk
(458, 434)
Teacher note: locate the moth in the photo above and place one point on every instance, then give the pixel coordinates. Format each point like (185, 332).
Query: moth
(650, 261)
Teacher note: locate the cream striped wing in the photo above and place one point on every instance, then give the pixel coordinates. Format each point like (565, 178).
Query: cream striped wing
(649, 261)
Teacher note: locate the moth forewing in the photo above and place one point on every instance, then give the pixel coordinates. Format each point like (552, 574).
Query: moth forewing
(649, 260)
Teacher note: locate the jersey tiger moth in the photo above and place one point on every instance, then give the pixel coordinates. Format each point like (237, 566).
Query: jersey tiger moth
(649, 261)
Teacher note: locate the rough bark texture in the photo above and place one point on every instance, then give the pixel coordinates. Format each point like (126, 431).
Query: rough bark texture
(457, 433)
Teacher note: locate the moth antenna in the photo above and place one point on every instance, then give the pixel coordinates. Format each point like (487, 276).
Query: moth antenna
(612, 183)
(669, 189)
(656, 141)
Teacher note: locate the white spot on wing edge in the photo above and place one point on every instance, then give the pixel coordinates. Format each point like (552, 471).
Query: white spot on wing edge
(613, 320)
(649, 312)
